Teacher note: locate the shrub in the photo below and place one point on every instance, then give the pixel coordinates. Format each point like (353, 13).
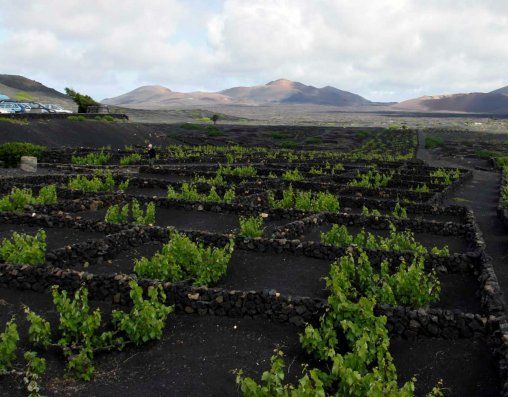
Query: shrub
(251, 226)
(294, 175)
(189, 192)
(432, 142)
(305, 201)
(147, 317)
(8, 344)
(117, 214)
(11, 153)
(77, 118)
(18, 199)
(421, 188)
(244, 171)
(312, 140)
(290, 144)
(99, 182)
(371, 179)
(100, 158)
(83, 101)
(182, 259)
(134, 158)
(23, 249)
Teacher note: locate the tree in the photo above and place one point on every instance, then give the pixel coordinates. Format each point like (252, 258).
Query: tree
(215, 117)
(83, 101)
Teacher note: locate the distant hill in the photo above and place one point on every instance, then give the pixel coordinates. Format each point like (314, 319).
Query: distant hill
(476, 102)
(158, 97)
(502, 90)
(19, 87)
(275, 92)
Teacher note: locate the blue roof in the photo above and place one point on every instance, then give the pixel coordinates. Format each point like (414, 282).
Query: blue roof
(4, 97)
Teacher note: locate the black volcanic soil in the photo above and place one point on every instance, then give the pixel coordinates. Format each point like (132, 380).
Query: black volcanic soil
(55, 237)
(180, 218)
(455, 243)
(195, 357)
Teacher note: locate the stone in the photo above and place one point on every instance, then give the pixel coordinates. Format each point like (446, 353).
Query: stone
(28, 164)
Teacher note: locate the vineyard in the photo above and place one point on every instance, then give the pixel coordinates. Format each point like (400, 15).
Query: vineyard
(247, 270)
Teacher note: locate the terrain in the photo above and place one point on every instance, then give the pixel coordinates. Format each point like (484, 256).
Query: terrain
(280, 91)
(22, 88)
(429, 194)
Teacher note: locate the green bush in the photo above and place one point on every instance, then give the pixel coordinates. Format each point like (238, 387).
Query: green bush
(189, 192)
(11, 153)
(18, 199)
(77, 118)
(99, 182)
(100, 158)
(23, 249)
(182, 259)
(294, 175)
(313, 140)
(251, 226)
(432, 142)
(289, 144)
(132, 212)
(305, 201)
(134, 158)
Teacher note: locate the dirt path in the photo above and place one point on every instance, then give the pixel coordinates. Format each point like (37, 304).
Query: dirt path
(481, 194)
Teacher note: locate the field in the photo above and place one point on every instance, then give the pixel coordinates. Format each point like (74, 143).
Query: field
(257, 261)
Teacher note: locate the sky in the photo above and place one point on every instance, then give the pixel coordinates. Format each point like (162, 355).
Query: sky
(384, 50)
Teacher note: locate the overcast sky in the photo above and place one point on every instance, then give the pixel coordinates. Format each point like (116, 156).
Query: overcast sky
(384, 50)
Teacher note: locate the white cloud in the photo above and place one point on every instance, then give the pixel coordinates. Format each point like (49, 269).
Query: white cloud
(382, 49)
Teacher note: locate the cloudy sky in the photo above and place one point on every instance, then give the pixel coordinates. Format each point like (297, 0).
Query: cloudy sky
(384, 50)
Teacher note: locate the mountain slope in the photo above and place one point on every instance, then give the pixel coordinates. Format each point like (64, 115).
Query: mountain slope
(275, 92)
(158, 97)
(19, 87)
(463, 103)
(502, 90)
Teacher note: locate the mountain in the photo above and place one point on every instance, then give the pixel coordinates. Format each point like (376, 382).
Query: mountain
(476, 102)
(502, 90)
(275, 92)
(19, 87)
(158, 97)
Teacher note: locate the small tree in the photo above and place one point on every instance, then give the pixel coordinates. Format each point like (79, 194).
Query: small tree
(215, 117)
(83, 101)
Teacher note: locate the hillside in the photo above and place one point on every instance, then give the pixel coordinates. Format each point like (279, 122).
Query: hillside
(19, 87)
(476, 102)
(275, 92)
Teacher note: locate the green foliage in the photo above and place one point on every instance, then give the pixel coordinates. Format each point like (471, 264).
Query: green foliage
(399, 212)
(77, 118)
(23, 249)
(10, 120)
(403, 241)
(11, 153)
(211, 130)
(294, 175)
(432, 142)
(23, 96)
(244, 171)
(251, 226)
(182, 259)
(131, 212)
(445, 176)
(8, 344)
(100, 158)
(372, 179)
(217, 180)
(421, 188)
(147, 317)
(351, 342)
(99, 182)
(189, 192)
(134, 158)
(18, 199)
(367, 212)
(35, 368)
(305, 201)
(313, 140)
(83, 101)
(39, 332)
(106, 118)
(289, 144)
